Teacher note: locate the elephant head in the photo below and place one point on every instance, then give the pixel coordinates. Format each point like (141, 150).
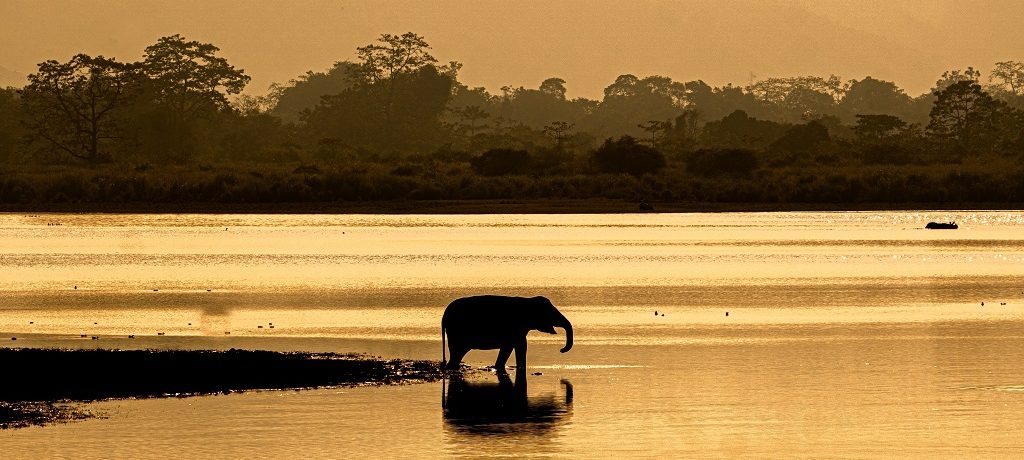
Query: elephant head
(545, 318)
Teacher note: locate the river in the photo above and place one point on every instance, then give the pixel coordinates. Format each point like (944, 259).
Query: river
(819, 334)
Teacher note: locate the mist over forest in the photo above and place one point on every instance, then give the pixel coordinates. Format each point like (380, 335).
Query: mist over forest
(396, 123)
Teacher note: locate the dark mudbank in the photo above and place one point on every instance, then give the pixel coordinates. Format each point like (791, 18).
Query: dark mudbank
(34, 378)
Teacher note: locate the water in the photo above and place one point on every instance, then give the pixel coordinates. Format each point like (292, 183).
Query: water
(847, 335)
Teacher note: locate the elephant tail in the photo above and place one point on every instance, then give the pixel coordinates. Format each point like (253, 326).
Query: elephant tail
(444, 359)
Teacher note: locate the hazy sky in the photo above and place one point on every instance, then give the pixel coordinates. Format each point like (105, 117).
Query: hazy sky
(588, 43)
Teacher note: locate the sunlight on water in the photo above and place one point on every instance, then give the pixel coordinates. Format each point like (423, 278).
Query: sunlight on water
(776, 334)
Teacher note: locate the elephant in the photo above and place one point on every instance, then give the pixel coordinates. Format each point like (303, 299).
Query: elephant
(491, 322)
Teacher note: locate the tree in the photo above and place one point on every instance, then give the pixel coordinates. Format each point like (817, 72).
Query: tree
(555, 87)
(10, 121)
(738, 130)
(559, 131)
(800, 98)
(306, 91)
(802, 138)
(631, 100)
(627, 155)
(384, 68)
(950, 77)
(396, 102)
(965, 116)
(717, 162)
(878, 128)
(499, 162)
(1008, 77)
(874, 97)
(74, 105)
(187, 80)
(470, 120)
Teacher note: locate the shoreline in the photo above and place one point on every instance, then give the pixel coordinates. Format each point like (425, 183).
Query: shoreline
(471, 207)
(42, 386)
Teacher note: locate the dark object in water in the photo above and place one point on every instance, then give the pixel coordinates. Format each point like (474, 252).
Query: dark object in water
(942, 226)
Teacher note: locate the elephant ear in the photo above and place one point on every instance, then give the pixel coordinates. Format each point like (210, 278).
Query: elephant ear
(542, 319)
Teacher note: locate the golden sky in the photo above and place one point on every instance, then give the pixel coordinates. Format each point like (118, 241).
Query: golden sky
(587, 43)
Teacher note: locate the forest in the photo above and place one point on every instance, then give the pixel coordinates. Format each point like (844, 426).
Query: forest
(395, 124)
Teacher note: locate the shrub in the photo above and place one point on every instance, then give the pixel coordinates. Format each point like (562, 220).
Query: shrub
(720, 162)
(500, 162)
(627, 155)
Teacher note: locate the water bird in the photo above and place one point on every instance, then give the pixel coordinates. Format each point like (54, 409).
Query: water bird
(76, 286)
(726, 313)
(271, 326)
(1002, 303)
(155, 290)
(662, 314)
(31, 322)
(655, 312)
(131, 336)
(189, 324)
(95, 338)
(207, 290)
(227, 332)
(983, 304)
(259, 327)
(14, 338)
(159, 333)
(83, 336)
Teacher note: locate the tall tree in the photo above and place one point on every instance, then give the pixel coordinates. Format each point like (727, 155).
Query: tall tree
(385, 67)
(1008, 76)
(10, 124)
(188, 80)
(873, 97)
(554, 87)
(800, 98)
(306, 91)
(965, 116)
(74, 105)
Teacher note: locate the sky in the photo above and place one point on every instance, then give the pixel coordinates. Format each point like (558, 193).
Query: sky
(520, 43)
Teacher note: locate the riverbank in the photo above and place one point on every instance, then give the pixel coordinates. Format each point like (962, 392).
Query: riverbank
(540, 206)
(35, 379)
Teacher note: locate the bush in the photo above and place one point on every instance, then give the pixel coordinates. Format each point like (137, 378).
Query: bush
(720, 162)
(627, 155)
(500, 162)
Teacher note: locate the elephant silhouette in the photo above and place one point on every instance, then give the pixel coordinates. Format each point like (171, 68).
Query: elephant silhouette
(491, 322)
(476, 407)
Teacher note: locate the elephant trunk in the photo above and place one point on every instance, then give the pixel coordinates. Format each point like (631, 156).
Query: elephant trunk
(568, 336)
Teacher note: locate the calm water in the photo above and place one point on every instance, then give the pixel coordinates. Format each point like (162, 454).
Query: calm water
(847, 335)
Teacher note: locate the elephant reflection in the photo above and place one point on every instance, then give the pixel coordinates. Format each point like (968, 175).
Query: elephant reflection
(502, 407)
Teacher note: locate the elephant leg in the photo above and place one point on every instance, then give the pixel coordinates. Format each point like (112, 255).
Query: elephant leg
(503, 354)
(457, 354)
(521, 354)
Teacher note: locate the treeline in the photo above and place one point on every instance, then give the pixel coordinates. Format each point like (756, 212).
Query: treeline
(395, 124)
